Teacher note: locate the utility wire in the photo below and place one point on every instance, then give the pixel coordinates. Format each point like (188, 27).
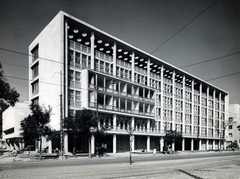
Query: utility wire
(217, 58)
(236, 73)
(183, 27)
(162, 91)
(13, 51)
(14, 65)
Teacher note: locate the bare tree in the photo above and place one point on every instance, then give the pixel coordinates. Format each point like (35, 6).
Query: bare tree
(223, 131)
(130, 131)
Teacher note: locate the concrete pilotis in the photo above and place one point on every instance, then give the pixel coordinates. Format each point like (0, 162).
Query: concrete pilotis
(65, 142)
(192, 144)
(173, 146)
(114, 143)
(183, 144)
(148, 143)
(161, 144)
(207, 144)
(200, 144)
(49, 146)
(92, 144)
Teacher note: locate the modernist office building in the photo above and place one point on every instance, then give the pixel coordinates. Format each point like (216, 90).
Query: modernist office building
(130, 88)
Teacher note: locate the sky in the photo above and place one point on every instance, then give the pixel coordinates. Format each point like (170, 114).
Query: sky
(201, 37)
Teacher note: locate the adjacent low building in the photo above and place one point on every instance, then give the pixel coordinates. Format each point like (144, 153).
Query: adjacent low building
(74, 65)
(12, 117)
(232, 132)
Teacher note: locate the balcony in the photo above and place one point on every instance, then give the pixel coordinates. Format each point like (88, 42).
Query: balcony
(118, 109)
(80, 47)
(103, 56)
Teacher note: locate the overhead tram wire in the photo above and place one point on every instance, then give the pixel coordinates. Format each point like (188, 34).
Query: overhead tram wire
(217, 58)
(184, 27)
(13, 51)
(86, 88)
(231, 74)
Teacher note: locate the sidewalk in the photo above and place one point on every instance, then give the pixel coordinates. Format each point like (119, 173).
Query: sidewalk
(7, 158)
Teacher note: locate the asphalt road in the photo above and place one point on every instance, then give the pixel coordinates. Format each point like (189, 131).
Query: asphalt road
(207, 165)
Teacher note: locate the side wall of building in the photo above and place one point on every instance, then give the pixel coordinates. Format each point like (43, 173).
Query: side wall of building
(50, 63)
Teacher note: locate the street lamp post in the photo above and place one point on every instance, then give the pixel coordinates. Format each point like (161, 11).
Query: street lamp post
(61, 117)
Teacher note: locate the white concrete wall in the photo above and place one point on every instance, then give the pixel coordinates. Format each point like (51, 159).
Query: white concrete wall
(12, 118)
(51, 55)
(234, 112)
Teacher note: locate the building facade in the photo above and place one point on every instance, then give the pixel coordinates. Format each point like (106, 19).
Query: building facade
(130, 89)
(232, 133)
(12, 117)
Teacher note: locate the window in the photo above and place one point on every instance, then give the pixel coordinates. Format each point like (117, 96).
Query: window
(71, 57)
(71, 97)
(78, 79)
(35, 53)
(71, 78)
(35, 101)
(230, 127)
(9, 131)
(35, 71)
(230, 134)
(77, 60)
(35, 87)
(84, 60)
(78, 98)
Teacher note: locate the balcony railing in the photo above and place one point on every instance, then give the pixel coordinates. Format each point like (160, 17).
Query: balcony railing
(80, 47)
(120, 109)
(103, 56)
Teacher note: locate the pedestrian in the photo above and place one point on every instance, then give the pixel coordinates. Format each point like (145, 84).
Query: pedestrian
(74, 152)
(14, 154)
(57, 151)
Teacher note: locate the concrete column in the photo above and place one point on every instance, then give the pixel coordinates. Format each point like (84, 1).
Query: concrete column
(114, 143)
(92, 144)
(207, 144)
(192, 144)
(115, 122)
(133, 65)
(214, 106)
(132, 143)
(65, 144)
(207, 116)
(84, 89)
(200, 116)
(114, 59)
(161, 144)
(148, 143)
(192, 116)
(92, 50)
(148, 125)
(133, 121)
(173, 101)
(213, 144)
(183, 104)
(183, 144)
(49, 146)
(161, 112)
(148, 72)
(173, 146)
(200, 144)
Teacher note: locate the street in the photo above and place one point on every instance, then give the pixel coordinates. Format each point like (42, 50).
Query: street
(204, 165)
